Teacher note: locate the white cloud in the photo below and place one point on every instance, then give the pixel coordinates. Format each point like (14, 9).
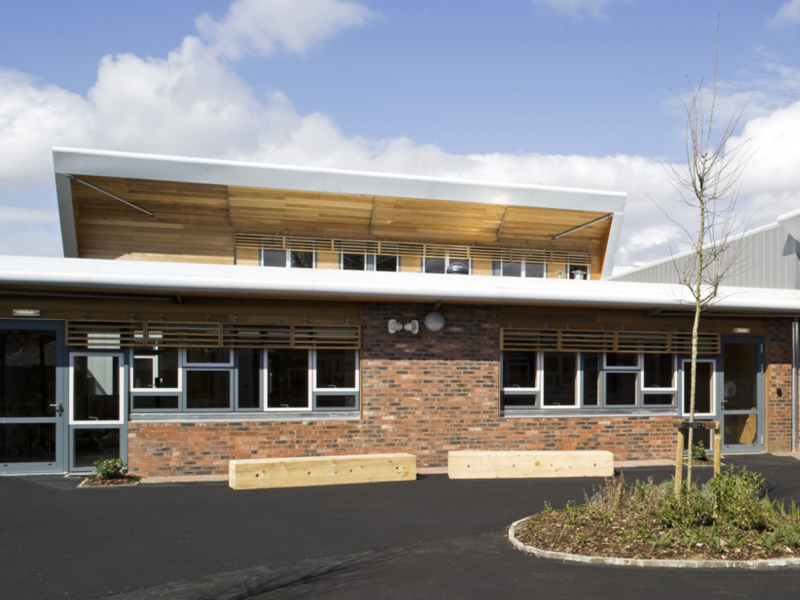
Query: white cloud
(578, 8)
(262, 27)
(15, 214)
(788, 14)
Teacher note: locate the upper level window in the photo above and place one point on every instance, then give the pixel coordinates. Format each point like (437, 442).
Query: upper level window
(449, 266)
(295, 259)
(518, 269)
(370, 262)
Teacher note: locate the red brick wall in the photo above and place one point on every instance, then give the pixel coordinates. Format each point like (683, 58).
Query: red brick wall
(423, 394)
(779, 380)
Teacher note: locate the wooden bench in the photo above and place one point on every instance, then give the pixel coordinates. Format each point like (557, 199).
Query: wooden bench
(257, 473)
(498, 465)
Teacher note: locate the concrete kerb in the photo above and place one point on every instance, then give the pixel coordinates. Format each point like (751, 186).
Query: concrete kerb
(772, 563)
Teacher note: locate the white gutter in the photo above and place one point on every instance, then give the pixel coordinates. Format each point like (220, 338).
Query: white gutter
(149, 277)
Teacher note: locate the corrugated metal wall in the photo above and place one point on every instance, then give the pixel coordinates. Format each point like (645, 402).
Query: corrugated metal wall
(767, 258)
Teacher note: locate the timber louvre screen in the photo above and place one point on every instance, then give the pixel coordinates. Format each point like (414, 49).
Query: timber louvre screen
(106, 334)
(648, 342)
(410, 249)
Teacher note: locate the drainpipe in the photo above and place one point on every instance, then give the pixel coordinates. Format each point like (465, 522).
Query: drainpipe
(795, 341)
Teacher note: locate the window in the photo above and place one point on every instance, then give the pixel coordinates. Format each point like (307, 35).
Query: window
(370, 262)
(518, 269)
(335, 379)
(449, 266)
(155, 367)
(295, 259)
(551, 380)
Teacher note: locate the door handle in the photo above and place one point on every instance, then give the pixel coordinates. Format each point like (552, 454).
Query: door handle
(59, 408)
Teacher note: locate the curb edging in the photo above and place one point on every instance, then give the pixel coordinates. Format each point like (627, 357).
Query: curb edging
(770, 563)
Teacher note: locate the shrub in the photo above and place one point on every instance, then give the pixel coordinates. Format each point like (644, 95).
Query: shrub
(736, 496)
(109, 468)
(699, 451)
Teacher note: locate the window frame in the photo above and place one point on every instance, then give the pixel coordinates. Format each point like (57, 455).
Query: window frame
(497, 268)
(288, 257)
(519, 391)
(315, 391)
(577, 396)
(71, 388)
(132, 382)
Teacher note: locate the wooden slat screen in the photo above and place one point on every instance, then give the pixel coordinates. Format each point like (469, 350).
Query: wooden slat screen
(409, 249)
(105, 334)
(256, 336)
(650, 342)
(184, 335)
(310, 336)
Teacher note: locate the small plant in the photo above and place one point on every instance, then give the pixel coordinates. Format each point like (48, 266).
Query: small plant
(699, 451)
(109, 468)
(663, 541)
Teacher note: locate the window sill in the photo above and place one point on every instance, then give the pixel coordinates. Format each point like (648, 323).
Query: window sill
(638, 411)
(240, 417)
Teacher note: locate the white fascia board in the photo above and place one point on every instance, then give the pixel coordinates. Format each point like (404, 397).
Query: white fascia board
(791, 223)
(613, 244)
(66, 216)
(221, 172)
(150, 277)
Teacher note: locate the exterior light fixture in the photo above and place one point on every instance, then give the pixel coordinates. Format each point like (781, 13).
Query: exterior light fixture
(395, 326)
(26, 312)
(434, 321)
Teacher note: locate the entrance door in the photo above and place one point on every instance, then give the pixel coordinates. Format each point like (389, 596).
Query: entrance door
(32, 357)
(96, 408)
(742, 398)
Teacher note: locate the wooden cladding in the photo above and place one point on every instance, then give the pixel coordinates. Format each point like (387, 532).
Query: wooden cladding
(409, 249)
(650, 342)
(111, 334)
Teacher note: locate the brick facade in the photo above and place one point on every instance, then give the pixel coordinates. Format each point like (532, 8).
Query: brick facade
(424, 394)
(779, 385)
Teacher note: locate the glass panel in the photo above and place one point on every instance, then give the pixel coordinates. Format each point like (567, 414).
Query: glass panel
(208, 389)
(155, 368)
(622, 359)
(155, 402)
(90, 445)
(386, 263)
(740, 429)
(658, 399)
(458, 267)
(740, 367)
(534, 270)
(353, 262)
(27, 442)
(702, 404)
(249, 369)
(27, 373)
(519, 369)
(434, 265)
(302, 260)
(591, 374)
(512, 269)
(338, 401)
(287, 385)
(559, 379)
(273, 258)
(336, 368)
(95, 388)
(621, 389)
(519, 400)
(658, 371)
(208, 356)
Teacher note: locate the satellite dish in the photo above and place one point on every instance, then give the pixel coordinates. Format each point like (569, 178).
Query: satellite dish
(458, 267)
(392, 326)
(434, 321)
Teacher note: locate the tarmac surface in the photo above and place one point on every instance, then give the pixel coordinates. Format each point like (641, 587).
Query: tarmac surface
(432, 538)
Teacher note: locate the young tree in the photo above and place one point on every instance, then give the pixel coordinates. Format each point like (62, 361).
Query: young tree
(708, 184)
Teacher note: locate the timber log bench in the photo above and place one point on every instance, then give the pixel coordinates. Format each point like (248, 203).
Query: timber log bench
(255, 473)
(470, 464)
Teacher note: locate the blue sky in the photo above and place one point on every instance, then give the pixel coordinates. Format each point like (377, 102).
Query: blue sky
(577, 93)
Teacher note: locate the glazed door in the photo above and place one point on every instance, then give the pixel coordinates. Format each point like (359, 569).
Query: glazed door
(96, 408)
(742, 397)
(32, 403)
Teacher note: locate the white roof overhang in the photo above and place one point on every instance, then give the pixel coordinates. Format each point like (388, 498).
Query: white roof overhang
(151, 277)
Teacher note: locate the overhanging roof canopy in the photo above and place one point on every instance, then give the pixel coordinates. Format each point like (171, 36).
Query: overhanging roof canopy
(189, 195)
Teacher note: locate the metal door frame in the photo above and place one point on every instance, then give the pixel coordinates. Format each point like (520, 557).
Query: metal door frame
(759, 411)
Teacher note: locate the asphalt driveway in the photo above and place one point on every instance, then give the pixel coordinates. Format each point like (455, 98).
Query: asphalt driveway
(432, 538)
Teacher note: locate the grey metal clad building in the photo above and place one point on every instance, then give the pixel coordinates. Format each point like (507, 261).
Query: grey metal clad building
(767, 257)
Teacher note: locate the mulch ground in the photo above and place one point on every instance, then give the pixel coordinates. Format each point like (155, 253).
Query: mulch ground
(629, 537)
(95, 481)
